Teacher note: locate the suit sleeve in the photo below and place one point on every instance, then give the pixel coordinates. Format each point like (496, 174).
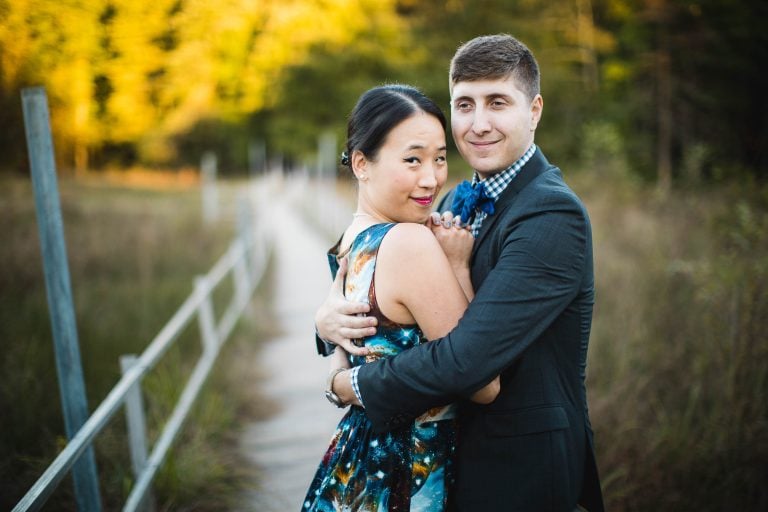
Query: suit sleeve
(323, 347)
(538, 273)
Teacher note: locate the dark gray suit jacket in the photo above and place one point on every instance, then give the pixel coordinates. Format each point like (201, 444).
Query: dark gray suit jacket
(531, 449)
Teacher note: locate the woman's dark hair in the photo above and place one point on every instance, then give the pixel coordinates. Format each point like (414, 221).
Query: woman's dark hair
(378, 111)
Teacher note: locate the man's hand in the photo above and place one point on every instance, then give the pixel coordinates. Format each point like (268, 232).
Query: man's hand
(336, 320)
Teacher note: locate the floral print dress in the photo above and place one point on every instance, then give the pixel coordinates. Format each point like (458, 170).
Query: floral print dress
(408, 469)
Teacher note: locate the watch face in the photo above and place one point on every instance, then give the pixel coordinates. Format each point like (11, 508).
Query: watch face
(334, 399)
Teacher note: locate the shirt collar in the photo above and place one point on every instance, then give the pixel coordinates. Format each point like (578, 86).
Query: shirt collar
(497, 183)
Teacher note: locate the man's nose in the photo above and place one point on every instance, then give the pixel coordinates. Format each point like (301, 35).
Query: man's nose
(481, 121)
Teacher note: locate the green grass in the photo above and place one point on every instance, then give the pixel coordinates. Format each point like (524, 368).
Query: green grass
(133, 254)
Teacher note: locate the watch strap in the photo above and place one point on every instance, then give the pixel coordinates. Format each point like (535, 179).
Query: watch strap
(329, 393)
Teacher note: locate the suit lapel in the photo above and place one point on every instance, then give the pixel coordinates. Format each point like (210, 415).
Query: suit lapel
(533, 168)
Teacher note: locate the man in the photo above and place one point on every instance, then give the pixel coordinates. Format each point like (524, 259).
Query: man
(531, 266)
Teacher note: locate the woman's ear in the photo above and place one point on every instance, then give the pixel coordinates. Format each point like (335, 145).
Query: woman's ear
(359, 165)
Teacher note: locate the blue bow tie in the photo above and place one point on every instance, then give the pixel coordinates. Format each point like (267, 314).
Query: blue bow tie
(467, 199)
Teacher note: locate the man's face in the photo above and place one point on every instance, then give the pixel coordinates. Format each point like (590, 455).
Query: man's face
(493, 123)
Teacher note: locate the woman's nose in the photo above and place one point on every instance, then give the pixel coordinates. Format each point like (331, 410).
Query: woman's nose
(428, 178)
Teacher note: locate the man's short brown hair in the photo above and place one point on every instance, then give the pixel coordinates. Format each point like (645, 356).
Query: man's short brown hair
(496, 57)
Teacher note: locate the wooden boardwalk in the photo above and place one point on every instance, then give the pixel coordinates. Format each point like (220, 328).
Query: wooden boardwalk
(287, 447)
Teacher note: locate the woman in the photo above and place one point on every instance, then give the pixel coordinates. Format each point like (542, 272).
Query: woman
(396, 150)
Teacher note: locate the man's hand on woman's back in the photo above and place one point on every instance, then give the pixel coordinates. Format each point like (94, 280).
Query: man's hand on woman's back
(339, 321)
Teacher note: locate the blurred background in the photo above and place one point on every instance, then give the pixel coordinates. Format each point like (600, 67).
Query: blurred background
(654, 109)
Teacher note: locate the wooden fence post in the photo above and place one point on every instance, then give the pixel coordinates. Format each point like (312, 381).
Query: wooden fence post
(58, 288)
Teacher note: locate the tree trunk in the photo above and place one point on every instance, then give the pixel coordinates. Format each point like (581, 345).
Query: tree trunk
(585, 26)
(664, 111)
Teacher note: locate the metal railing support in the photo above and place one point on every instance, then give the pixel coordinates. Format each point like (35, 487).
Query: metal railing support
(197, 304)
(205, 317)
(142, 485)
(209, 188)
(242, 280)
(58, 289)
(137, 427)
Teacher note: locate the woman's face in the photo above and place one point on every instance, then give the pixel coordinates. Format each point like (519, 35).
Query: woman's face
(402, 182)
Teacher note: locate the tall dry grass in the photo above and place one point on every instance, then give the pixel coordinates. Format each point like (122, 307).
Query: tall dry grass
(133, 253)
(678, 369)
(678, 360)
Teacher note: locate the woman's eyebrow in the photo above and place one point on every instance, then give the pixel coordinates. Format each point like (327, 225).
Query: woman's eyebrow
(422, 146)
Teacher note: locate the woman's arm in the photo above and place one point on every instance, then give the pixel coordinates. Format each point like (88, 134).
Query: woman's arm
(339, 359)
(457, 245)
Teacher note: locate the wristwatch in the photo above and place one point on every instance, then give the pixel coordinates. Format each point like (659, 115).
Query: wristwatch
(329, 394)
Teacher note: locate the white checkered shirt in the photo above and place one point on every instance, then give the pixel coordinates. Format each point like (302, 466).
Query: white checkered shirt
(497, 183)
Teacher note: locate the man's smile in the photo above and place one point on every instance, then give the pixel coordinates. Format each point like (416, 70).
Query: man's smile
(482, 144)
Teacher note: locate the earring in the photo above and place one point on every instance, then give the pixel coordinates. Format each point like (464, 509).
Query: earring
(362, 177)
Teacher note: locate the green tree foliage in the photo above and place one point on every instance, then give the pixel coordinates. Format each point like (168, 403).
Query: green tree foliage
(563, 35)
(318, 94)
(683, 83)
(138, 81)
(133, 77)
(57, 40)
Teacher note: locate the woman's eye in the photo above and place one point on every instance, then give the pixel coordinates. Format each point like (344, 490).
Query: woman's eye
(412, 160)
(440, 159)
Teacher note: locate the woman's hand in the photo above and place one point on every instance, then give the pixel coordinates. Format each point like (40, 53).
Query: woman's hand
(455, 239)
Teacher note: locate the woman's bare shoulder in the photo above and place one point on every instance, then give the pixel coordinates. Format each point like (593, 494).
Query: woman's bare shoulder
(409, 236)
(412, 247)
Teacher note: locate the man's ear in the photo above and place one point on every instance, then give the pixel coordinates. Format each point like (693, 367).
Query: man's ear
(537, 107)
